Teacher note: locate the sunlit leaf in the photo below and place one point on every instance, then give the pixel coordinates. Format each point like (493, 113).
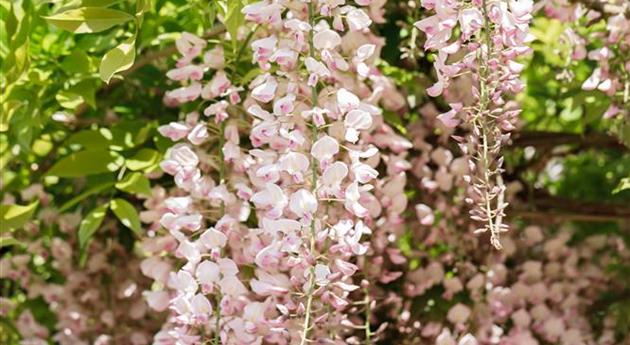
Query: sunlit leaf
(232, 17)
(85, 163)
(118, 59)
(135, 183)
(73, 4)
(143, 159)
(143, 6)
(121, 137)
(90, 224)
(624, 184)
(42, 147)
(69, 100)
(15, 216)
(6, 241)
(127, 215)
(89, 19)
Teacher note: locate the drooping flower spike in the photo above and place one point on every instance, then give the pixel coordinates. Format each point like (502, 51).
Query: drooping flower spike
(492, 35)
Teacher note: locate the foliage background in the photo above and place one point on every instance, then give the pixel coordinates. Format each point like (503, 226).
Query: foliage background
(91, 144)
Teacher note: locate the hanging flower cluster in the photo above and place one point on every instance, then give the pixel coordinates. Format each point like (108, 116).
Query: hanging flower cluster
(204, 214)
(454, 292)
(492, 35)
(313, 178)
(609, 47)
(309, 175)
(292, 212)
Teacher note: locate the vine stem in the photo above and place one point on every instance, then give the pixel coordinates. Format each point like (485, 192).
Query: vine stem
(368, 311)
(222, 159)
(311, 283)
(217, 310)
(494, 227)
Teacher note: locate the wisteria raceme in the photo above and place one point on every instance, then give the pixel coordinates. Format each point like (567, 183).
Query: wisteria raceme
(310, 193)
(492, 36)
(534, 302)
(610, 76)
(307, 178)
(314, 166)
(203, 217)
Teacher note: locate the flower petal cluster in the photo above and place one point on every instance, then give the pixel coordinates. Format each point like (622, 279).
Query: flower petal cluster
(492, 35)
(608, 53)
(200, 280)
(313, 110)
(82, 311)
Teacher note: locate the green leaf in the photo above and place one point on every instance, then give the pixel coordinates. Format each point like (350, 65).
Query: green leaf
(90, 224)
(89, 19)
(123, 136)
(233, 18)
(127, 215)
(69, 100)
(92, 139)
(6, 241)
(395, 120)
(135, 183)
(143, 159)
(91, 191)
(16, 33)
(98, 3)
(87, 90)
(250, 75)
(570, 112)
(211, 13)
(15, 216)
(143, 6)
(77, 62)
(74, 4)
(8, 329)
(118, 59)
(85, 163)
(623, 185)
(42, 147)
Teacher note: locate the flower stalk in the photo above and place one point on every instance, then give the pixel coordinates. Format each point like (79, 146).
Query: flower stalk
(313, 162)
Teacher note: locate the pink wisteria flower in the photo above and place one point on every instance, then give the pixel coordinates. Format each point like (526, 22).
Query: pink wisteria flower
(492, 35)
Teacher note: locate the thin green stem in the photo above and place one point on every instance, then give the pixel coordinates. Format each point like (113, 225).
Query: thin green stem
(222, 160)
(484, 124)
(311, 283)
(217, 324)
(368, 312)
(217, 310)
(309, 305)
